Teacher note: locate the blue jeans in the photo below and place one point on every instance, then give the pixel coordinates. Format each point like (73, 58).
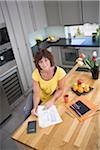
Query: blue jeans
(29, 105)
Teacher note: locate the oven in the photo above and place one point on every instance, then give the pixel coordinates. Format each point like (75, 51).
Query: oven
(68, 56)
(11, 89)
(6, 55)
(6, 52)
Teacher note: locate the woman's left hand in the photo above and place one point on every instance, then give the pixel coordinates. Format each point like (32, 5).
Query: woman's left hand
(98, 107)
(49, 104)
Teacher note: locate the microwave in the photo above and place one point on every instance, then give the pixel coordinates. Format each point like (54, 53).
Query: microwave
(4, 37)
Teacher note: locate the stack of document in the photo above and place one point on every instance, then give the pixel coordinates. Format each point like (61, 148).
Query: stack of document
(48, 116)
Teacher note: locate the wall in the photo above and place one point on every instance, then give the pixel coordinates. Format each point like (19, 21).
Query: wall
(35, 34)
(57, 31)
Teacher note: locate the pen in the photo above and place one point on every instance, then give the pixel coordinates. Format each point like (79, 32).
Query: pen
(69, 114)
(76, 106)
(76, 110)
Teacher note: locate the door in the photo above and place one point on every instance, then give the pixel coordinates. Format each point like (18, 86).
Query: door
(91, 11)
(71, 12)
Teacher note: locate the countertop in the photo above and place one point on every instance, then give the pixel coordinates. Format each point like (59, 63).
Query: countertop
(75, 42)
(70, 134)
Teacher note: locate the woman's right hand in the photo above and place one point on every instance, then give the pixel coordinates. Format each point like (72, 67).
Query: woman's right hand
(34, 112)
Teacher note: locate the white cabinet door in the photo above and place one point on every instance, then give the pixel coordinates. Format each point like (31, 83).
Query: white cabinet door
(27, 25)
(52, 13)
(38, 14)
(91, 11)
(71, 12)
(1, 15)
(17, 37)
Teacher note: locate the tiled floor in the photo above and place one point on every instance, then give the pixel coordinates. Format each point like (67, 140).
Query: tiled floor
(9, 126)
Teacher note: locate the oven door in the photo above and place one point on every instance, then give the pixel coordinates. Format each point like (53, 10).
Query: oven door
(6, 56)
(69, 55)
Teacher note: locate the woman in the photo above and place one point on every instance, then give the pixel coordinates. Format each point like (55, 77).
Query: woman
(48, 82)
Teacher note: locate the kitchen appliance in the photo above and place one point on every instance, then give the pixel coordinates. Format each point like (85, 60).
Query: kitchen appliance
(10, 84)
(6, 55)
(6, 52)
(68, 56)
(10, 89)
(4, 37)
(5, 110)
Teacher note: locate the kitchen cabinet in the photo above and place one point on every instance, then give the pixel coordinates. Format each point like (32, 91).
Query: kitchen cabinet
(63, 12)
(52, 13)
(18, 40)
(38, 15)
(1, 15)
(91, 11)
(70, 12)
(66, 56)
(27, 25)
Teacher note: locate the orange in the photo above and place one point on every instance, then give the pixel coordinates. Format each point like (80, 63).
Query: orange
(75, 87)
(80, 89)
(86, 85)
(86, 89)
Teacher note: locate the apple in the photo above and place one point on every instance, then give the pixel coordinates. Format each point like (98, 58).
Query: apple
(75, 84)
(80, 81)
(83, 85)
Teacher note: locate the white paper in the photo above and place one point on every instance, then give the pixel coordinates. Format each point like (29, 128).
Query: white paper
(48, 116)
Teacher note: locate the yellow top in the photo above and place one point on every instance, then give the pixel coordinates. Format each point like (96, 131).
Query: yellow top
(47, 88)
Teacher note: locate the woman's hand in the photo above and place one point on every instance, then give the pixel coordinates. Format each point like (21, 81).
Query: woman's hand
(34, 112)
(98, 107)
(49, 104)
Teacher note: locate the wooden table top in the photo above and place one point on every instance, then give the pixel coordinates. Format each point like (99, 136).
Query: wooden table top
(70, 134)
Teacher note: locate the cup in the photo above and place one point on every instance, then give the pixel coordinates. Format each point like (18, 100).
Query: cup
(66, 98)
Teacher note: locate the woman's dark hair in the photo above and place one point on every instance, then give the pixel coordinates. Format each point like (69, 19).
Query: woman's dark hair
(43, 53)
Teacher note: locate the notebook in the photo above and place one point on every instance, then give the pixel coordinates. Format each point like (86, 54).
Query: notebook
(82, 108)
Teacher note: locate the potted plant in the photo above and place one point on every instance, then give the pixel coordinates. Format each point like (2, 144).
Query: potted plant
(98, 33)
(92, 62)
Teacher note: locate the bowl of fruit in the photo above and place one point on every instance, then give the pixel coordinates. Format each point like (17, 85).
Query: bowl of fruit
(81, 88)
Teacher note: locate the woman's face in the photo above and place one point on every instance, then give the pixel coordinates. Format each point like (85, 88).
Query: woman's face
(44, 64)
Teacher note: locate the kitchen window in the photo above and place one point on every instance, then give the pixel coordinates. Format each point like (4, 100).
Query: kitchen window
(80, 30)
